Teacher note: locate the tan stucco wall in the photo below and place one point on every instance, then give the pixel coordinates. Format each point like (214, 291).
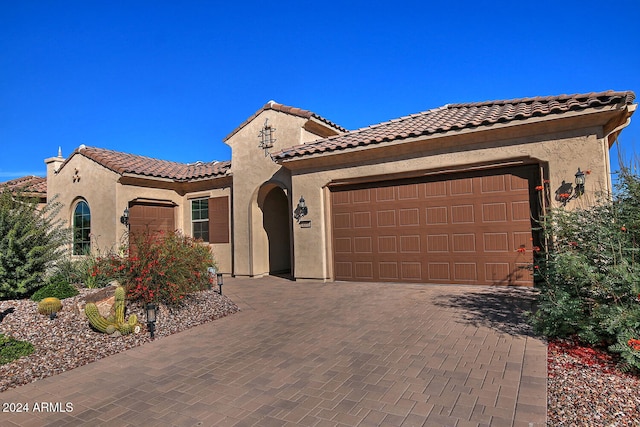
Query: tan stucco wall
(253, 175)
(84, 179)
(560, 155)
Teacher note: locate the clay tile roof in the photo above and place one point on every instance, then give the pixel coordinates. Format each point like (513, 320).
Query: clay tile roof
(456, 117)
(30, 184)
(272, 105)
(124, 163)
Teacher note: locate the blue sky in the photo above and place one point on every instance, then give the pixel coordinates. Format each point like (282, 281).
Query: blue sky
(170, 79)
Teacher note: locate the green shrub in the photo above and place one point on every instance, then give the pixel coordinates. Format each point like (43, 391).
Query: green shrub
(31, 240)
(12, 349)
(83, 271)
(57, 287)
(589, 277)
(161, 267)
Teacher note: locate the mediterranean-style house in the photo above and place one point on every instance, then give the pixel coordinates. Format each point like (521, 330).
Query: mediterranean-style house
(449, 195)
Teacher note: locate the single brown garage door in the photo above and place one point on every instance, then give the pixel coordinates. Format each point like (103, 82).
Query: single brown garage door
(149, 218)
(466, 228)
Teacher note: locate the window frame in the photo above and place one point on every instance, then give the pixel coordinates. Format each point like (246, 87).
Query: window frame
(81, 241)
(204, 205)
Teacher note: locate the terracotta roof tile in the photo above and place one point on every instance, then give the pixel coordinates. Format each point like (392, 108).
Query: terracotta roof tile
(30, 184)
(272, 105)
(453, 117)
(125, 163)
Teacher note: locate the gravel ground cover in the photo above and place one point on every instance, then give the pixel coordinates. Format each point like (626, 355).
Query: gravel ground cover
(67, 342)
(585, 388)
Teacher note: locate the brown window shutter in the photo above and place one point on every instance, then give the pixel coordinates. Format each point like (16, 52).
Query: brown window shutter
(219, 219)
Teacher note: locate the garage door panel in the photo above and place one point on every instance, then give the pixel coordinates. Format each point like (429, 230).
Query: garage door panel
(437, 243)
(408, 192)
(494, 212)
(464, 242)
(493, 183)
(410, 244)
(388, 271)
(410, 216)
(465, 271)
(386, 218)
(385, 194)
(361, 196)
(363, 245)
(362, 219)
(437, 215)
(461, 186)
(463, 228)
(496, 242)
(387, 244)
(435, 189)
(411, 271)
(439, 272)
(462, 214)
(520, 211)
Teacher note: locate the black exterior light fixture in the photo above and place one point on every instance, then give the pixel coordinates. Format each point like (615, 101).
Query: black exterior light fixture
(151, 318)
(580, 180)
(124, 219)
(219, 281)
(301, 210)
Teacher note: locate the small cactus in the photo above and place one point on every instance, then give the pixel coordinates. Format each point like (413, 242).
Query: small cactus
(133, 320)
(125, 328)
(95, 318)
(115, 321)
(49, 306)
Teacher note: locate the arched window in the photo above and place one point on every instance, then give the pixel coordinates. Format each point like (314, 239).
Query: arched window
(81, 229)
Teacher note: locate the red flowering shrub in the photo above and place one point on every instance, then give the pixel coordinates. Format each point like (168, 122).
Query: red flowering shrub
(588, 275)
(161, 267)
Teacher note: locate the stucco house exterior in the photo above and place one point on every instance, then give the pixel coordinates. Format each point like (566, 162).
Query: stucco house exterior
(449, 195)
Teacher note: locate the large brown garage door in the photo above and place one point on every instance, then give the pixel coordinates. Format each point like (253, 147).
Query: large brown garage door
(466, 228)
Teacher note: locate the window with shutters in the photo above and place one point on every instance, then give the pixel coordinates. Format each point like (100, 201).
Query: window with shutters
(210, 219)
(200, 219)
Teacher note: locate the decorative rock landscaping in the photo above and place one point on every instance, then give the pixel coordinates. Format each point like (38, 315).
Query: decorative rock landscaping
(67, 341)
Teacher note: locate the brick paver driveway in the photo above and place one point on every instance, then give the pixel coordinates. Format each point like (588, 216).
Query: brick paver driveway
(316, 354)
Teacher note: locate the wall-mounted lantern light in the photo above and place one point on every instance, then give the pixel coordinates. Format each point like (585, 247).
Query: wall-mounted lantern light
(567, 192)
(124, 219)
(151, 318)
(219, 281)
(301, 210)
(266, 137)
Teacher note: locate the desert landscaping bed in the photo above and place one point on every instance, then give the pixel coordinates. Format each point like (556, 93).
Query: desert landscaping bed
(67, 341)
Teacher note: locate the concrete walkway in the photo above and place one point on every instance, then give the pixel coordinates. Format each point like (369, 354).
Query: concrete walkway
(316, 354)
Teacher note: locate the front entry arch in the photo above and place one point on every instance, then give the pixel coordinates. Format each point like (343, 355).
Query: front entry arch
(277, 226)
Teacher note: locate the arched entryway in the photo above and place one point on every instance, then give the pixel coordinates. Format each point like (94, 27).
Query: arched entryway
(277, 226)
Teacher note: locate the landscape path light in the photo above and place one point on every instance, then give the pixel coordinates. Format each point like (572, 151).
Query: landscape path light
(151, 318)
(219, 280)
